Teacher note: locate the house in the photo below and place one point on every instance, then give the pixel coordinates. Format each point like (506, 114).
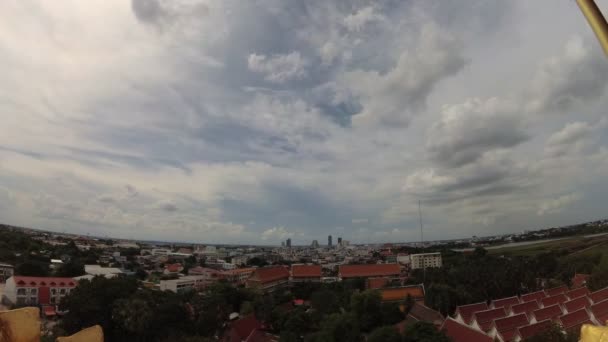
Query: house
(506, 303)
(173, 269)
(505, 329)
(464, 313)
(6, 271)
(578, 292)
(600, 312)
(599, 295)
(531, 330)
(459, 332)
(538, 295)
(556, 299)
(305, 273)
(421, 313)
(557, 290)
(579, 280)
(527, 308)
(550, 312)
(208, 275)
(483, 320)
(425, 260)
(108, 272)
(368, 271)
(183, 284)
(237, 276)
(20, 290)
(577, 304)
(240, 330)
(400, 294)
(268, 279)
(573, 321)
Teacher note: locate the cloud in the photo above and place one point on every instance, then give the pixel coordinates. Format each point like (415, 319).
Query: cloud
(391, 98)
(466, 131)
(578, 75)
(555, 205)
(279, 68)
(356, 21)
(276, 233)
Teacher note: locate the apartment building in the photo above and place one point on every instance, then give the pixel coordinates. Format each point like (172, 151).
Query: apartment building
(425, 260)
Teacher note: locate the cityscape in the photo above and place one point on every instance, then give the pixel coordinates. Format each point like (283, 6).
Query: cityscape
(303, 171)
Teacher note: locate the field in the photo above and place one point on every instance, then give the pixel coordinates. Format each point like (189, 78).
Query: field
(571, 247)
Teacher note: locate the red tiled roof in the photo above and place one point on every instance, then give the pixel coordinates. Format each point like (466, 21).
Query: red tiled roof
(400, 293)
(533, 329)
(538, 295)
(577, 303)
(272, 273)
(550, 312)
(426, 314)
(485, 318)
(579, 279)
(511, 322)
(376, 283)
(557, 290)
(44, 281)
(261, 336)
(505, 302)
(581, 291)
(556, 299)
(574, 319)
(242, 328)
(526, 307)
(49, 311)
(600, 311)
(458, 332)
(174, 267)
(599, 295)
(467, 311)
(373, 270)
(307, 271)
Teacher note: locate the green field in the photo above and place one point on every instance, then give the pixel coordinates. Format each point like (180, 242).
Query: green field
(576, 246)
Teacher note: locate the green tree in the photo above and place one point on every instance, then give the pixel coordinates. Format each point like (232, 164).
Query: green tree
(367, 308)
(90, 303)
(384, 334)
(339, 328)
(32, 269)
(391, 314)
(424, 332)
(554, 334)
(599, 276)
(71, 269)
(325, 302)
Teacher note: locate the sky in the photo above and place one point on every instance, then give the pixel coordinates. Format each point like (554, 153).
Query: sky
(221, 121)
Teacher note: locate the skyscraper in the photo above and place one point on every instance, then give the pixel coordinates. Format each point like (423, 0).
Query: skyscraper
(339, 241)
(315, 244)
(288, 243)
(329, 240)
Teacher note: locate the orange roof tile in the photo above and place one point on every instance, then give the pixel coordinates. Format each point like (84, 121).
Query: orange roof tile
(599, 295)
(556, 290)
(306, 271)
(400, 293)
(505, 302)
(533, 329)
(557, 299)
(268, 274)
(526, 307)
(376, 283)
(538, 295)
(577, 303)
(467, 311)
(458, 332)
(550, 312)
(371, 270)
(578, 292)
(486, 318)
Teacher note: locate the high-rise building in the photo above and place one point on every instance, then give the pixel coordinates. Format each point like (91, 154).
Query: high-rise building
(315, 244)
(339, 241)
(329, 240)
(288, 243)
(282, 243)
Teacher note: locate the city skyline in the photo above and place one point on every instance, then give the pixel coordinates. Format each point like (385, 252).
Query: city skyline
(229, 122)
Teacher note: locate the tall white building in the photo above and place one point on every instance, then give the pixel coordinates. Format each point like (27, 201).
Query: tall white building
(425, 260)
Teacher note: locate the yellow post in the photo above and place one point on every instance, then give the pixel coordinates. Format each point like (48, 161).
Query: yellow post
(596, 21)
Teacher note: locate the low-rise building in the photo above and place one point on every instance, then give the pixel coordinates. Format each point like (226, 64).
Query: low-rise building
(209, 275)
(108, 272)
(425, 260)
(173, 269)
(305, 273)
(238, 276)
(183, 284)
(369, 270)
(20, 290)
(268, 279)
(6, 271)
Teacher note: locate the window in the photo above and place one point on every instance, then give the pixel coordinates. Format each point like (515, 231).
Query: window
(34, 292)
(53, 300)
(20, 292)
(62, 291)
(53, 291)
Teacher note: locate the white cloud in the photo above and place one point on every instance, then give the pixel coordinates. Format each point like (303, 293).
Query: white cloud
(279, 68)
(276, 234)
(356, 21)
(555, 205)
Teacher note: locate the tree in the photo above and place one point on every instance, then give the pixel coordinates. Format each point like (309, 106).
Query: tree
(257, 261)
(384, 334)
(90, 303)
(599, 277)
(424, 332)
(409, 304)
(391, 314)
(325, 302)
(479, 252)
(367, 308)
(71, 269)
(32, 269)
(339, 328)
(554, 334)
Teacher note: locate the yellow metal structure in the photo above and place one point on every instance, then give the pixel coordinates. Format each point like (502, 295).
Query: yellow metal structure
(593, 333)
(20, 325)
(596, 21)
(91, 334)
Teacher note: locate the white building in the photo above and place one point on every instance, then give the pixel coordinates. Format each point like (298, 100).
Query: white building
(6, 271)
(425, 260)
(240, 259)
(108, 272)
(187, 283)
(160, 251)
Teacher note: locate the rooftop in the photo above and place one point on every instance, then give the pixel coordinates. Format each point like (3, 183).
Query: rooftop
(401, 293)
(505, 302)
(557, 290)
(599, 295)
(533, 329)
(467, 311)
(372, 270)
(574, 319)
(550, 312)
(485, 319)
(577, 303)
(538, 295)
(526, 307)
(556, 299)
(578, 292)
(269, 274)
(306, 271)
(44, 281)
(458, 332)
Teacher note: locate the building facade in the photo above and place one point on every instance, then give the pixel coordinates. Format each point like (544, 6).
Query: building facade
(22, 291)
(425, 260)
(183, 284)
(6, 271)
